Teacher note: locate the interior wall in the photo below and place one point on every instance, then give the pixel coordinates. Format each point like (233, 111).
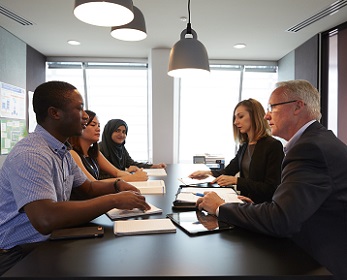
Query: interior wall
(12, 59)
(12, 63)
(20, 65)
(307, 61)
(286, 69)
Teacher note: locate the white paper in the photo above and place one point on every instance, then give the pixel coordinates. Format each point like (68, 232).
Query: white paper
(150, 186)
(190, 181)
(132, 227)
(155, 171)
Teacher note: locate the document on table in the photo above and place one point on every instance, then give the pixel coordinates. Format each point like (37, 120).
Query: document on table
(189, 181)
(155, 171)
(116, 213)
(187, 194)
(148, 226)
(150, 186)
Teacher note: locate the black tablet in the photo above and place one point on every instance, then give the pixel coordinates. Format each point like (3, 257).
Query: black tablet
(198, 222)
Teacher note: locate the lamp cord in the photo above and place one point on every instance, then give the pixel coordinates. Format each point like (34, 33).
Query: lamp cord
(189, 26)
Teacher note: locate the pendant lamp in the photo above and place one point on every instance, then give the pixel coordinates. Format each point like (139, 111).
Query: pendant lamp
(188, 57)
(132, 31)
(104, 13)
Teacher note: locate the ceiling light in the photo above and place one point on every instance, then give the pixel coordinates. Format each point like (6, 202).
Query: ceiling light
(104, 13)
(133, 31)
(73, 43)
(240, 46)
(188, 57)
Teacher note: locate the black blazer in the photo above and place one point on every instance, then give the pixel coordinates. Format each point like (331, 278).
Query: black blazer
(310, 204)
(264, 169)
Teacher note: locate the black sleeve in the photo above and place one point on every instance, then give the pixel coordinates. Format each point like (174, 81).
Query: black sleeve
(129, 161)
(233, 167)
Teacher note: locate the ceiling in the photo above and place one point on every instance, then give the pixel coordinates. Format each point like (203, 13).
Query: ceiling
(220, 24)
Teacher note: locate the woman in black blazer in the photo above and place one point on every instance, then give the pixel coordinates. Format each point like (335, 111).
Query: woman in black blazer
(258, 160)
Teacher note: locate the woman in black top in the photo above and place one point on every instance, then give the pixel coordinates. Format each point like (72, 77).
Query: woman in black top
(113, 147)
(258, 160)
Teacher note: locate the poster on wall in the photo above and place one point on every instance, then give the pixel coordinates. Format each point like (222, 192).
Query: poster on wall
(12, 100)
(11, 132)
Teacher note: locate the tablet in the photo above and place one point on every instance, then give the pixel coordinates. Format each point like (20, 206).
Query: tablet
(198, 222)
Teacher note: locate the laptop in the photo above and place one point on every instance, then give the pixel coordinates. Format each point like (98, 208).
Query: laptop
(198, 222)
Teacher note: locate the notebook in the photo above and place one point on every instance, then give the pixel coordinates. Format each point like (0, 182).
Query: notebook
(116, 213)
(155, 171)
(186, 196)
(148, 226)
(150, 186)
(198, 222)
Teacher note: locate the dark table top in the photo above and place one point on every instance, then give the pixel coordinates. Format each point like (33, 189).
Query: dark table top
(236, 253)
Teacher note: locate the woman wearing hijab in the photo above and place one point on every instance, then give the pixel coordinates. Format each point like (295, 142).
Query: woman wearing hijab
(113, 147)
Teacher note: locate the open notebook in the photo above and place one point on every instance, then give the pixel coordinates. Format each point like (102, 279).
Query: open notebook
(187, 197)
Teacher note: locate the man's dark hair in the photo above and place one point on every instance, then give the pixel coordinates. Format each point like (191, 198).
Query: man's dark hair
(53, 93)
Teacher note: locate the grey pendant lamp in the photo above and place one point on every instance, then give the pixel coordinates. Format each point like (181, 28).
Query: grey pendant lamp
(104, 13)
(132, 31)
(188, 57)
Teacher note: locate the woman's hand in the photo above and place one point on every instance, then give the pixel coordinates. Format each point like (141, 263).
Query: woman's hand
(245, 199)
(160, 165)
(200, 174)
(132, 168)
(225, 180)
(139, 175)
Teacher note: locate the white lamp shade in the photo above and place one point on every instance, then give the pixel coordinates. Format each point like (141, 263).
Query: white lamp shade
(104, 13)
(188, 57)
(132, 31)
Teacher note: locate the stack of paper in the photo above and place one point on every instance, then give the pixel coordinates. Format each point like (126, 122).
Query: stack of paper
(135, 227)
(116, 213)
(150, 186)
(155, 171)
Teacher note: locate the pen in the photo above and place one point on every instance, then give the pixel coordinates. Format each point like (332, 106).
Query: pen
(199, 194)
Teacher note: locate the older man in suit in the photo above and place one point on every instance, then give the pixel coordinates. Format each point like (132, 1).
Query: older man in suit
(310, 204)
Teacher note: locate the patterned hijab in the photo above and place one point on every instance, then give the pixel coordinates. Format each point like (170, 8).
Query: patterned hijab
(112, 151)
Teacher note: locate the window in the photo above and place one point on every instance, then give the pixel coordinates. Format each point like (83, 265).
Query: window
(207, 107)
(113, 91)
(205, 124)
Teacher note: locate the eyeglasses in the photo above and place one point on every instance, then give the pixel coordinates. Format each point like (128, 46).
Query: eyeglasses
(271, 106)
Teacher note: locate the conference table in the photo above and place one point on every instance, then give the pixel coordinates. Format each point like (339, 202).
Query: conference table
(232, 254)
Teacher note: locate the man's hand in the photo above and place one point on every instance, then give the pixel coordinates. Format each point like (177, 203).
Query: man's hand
(210, 202)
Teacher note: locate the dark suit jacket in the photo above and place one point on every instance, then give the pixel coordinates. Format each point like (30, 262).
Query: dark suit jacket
(264, 169)
(310, 204)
